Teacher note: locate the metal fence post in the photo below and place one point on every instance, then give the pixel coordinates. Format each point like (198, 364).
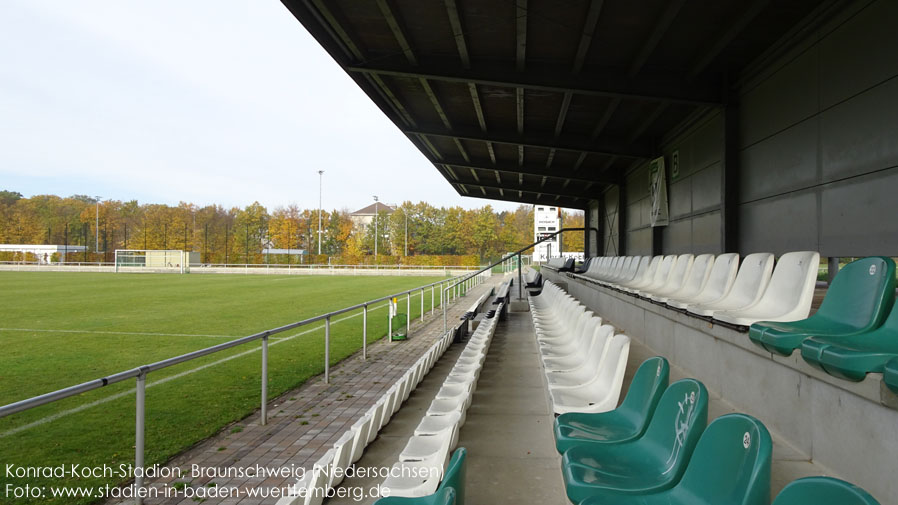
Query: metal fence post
(445, 324)
(365, 332)
(408, 314)
(520, 278)
(140, 421)
(327, 349)
(422, 305)
(264, 417)
(389, 319)
(431, 299)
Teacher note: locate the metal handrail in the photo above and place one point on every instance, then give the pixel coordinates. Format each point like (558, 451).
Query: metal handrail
(140, 372)
(468, 277)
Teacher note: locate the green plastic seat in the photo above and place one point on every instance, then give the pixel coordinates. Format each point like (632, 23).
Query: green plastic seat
(452, 485)
(817, 490)
(853, 357)
(651, 463)
(890, 375)
(730, 466)
(857, 301)
(625, 423)
(441, 497)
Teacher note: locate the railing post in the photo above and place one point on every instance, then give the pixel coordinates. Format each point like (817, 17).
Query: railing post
(140, 420)
(431, 300)
(422, 305)
(389, 319)
(327, 349)
(264, 416)
(365, 332)
(408, 314)
(520, 278)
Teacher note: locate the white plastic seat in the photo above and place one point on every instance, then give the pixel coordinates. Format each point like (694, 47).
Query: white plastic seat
(360, 438)
(752, 279)
(695, 281)
(377, 412)
(661, 276)
(557, 370)
(440, 407)
(643, 279)
(415, 478)
(678, 275)
(342, 455)
(317, 489)
(720, 281)
(424, 447)
(603, 392)
(788, 296)
(431, 425)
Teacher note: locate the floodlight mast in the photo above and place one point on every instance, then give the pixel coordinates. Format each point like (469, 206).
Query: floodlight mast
(320, 176)
(375, 230)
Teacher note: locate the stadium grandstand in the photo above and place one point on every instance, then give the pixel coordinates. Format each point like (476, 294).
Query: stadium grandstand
(719, 150)
(730, 337)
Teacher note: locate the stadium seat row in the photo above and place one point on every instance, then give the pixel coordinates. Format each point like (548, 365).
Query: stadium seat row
(855, 330)
(422, 467)
(584, 361)
(631, 455)
(560, 264)
(716, 287)
(329, 470)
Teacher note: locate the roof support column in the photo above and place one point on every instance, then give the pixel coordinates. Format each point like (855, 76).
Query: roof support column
(729, 180)
(657, 241)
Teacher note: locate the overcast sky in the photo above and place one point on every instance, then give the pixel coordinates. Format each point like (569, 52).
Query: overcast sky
(203, 101)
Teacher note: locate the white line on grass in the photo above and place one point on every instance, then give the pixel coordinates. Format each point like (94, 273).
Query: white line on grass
(101, 332)
(116, 396)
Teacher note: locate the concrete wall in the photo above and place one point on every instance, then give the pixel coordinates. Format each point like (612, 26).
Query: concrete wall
(844, 426)
(818, 141)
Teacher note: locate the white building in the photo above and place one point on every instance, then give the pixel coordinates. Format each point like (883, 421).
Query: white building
(546, 220)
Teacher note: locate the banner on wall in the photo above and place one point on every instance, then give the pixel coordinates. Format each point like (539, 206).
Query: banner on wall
(658, 190)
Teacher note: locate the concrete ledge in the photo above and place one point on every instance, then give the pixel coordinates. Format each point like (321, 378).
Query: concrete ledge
(846, 426)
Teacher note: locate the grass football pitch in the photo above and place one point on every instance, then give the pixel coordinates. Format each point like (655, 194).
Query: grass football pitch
(61, 329)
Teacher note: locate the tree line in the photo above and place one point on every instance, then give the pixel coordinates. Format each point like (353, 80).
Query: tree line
(414, 233)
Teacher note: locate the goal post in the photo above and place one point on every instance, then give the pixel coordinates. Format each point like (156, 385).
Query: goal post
(151, 260)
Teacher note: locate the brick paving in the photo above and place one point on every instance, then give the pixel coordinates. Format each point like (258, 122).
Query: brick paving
(303, 423)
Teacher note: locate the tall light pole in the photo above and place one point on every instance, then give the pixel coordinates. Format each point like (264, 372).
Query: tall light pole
(375, 229)
(97, 226)
(320, 176)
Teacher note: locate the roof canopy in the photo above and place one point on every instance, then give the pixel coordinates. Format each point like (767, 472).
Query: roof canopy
(547, 101)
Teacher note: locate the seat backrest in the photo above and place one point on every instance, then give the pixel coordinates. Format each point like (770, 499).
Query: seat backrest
(454, 477)
(698, 276)
(342, 455)
(641, 268)
(816, 490)
(730, 464)
(862, 293)
(677, 425)
(680, 271)
(663, 272)
(792, 283)
(317, 487)
(649, 274)
(722, 276)
(648, 385)
(752, 279)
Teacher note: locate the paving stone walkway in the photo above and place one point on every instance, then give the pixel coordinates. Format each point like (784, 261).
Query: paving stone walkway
(303, 423)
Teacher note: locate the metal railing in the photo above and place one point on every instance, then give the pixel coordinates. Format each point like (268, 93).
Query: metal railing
(140, 373)
(465, 280)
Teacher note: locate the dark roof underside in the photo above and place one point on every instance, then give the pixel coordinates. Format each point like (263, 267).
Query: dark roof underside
(545, 101)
